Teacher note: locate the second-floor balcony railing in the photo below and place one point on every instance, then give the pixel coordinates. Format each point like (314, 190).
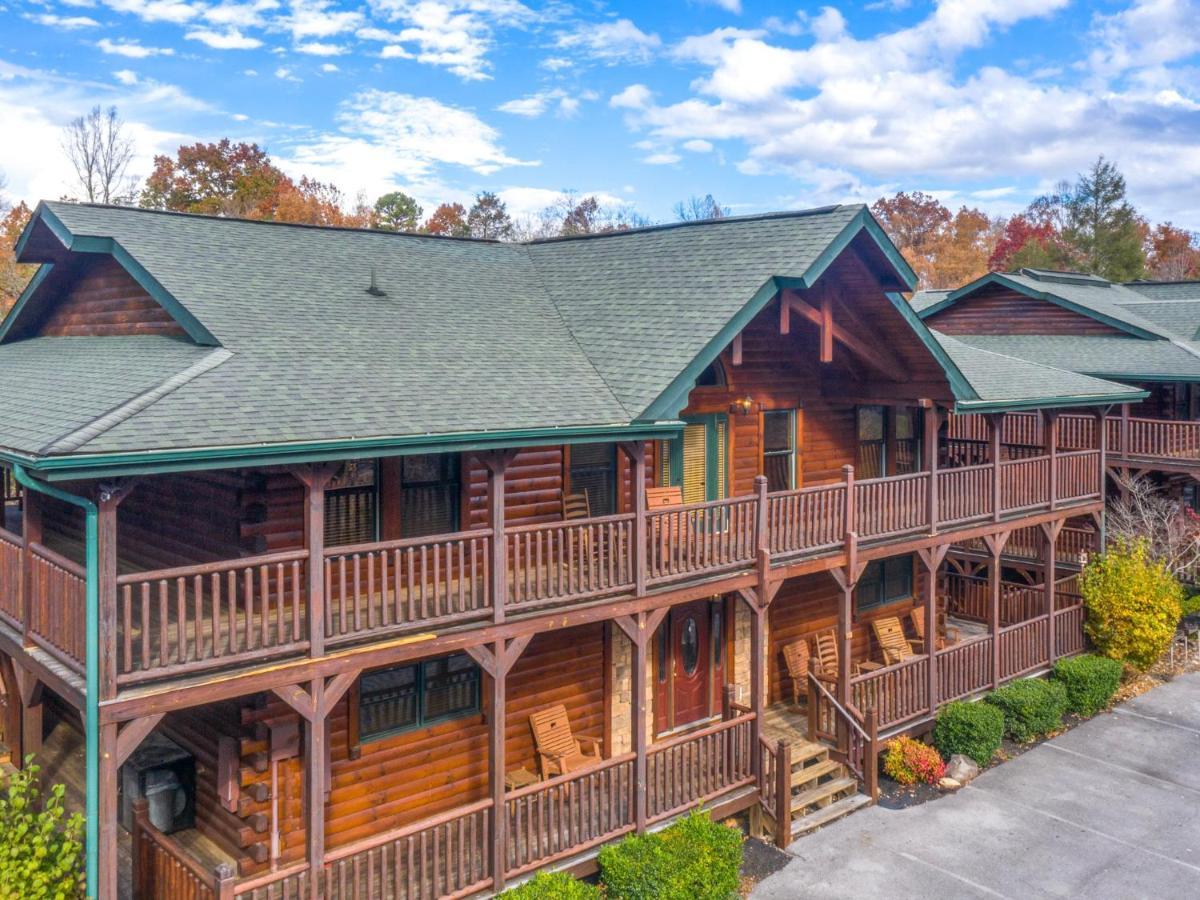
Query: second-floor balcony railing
(1126, 436)
(224, 613)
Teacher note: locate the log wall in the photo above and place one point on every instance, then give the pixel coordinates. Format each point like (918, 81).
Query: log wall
(104, 299)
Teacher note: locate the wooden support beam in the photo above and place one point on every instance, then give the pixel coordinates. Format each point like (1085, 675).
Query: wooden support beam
(995, 544)
(1050, 532)
(29, 697)
(826, 326)
(931, 560)
(302, 701)
(496, 462)
(1050, 434)
(877, 357)
(107, 849)
(736, 350)
(315, 773)
(496, 766)
(996, 425)
(31, 534)
(132, 734)
(785, 315)
(108, 497)
(929, 448)
(315, 479)
(847, 580)
(636, 451)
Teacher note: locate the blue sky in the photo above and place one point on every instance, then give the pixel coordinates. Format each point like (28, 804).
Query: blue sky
(766, 105)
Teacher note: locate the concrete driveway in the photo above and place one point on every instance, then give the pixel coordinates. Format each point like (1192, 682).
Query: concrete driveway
(1109, 810)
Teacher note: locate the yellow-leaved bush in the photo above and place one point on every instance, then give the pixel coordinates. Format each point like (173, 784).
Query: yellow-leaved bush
(1133, 604)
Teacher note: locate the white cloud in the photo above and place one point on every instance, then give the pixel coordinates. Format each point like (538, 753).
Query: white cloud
(174, 11)
(68, 23)
(132, 49)
(329, 67)
(283, 73)
(241, 15)
(698, 146)
(388, 138)
(556, 63)
(636, 96)
(612, 42)
(733, 6)
(320, 48)
(315, 19)
(535, 105)
(662, 158)
(1147, 33)
(232, 39)
(126, 76)
(528, 203)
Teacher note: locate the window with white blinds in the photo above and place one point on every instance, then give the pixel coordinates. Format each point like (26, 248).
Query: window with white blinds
(351, 501)
(430, 493)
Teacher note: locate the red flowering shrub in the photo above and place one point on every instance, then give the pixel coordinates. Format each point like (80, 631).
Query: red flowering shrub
(908, 761)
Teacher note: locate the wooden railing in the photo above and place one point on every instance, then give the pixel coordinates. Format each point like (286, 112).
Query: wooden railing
(965, 494)
(969, 597)
(11, 563)
(701, 538)
(1078, 474)
(808, 519)
(1024, 483)
(1068, 630)
(58, 614)
(775, 786)
(163, 868)
(1158, 438)
(897, 693)
(444, 856)
(1028, 543)
(378, 587)
(1023, 647)
(887, 507)
(290, 883)
(191, 617)
(854, 734)
(698, 766)
(574, 560)
(553, 819)
(964, 668)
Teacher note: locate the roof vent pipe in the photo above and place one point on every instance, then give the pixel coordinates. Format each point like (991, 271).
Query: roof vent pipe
(375, 290)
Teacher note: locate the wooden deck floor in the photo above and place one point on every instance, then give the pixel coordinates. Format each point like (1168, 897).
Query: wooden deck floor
(785, 722)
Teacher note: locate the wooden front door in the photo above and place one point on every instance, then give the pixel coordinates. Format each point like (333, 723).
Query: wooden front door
(689, 665)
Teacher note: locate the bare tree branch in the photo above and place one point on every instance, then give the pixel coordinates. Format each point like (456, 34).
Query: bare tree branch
(1172, 532)
(100, 153)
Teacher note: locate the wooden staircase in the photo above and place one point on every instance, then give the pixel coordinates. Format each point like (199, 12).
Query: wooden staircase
(822, 790)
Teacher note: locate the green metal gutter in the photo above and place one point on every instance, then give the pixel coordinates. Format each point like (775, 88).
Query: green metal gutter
(91, 716)
(142, 462)
(982, 406)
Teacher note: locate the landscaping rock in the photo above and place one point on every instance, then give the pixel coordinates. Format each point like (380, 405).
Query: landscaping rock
(949, 784)
(961, 768)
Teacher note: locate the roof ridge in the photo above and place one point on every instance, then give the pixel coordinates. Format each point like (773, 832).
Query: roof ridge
(73, 440)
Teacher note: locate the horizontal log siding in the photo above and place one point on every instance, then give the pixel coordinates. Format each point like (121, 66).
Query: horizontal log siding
(808, 604)
(105, 300)
(998, 310)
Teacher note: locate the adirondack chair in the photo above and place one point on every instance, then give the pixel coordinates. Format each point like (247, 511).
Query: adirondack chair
(825, 656)
(946, 633)
(662, 498)
(577, 506)
(890, 634)
(559, 750)
(796, 656)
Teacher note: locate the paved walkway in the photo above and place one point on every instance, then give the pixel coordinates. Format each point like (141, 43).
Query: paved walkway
(1109, 810)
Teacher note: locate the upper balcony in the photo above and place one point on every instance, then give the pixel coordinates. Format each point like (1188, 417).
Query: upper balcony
(316, 599)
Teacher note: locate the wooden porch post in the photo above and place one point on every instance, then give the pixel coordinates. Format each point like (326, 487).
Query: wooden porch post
(107, 849)
(1050, 532)
(315, 479)
(996, 424)
(1102, 443)
(1124, 430)
(931, 559)
(995, 544)
(930, 447)
(31, 533)
(847, 580)
(640, 629)
(109, 497)
(636, 451)
(497, 462)
(1050, 429)
(26, 702)
(497, 661)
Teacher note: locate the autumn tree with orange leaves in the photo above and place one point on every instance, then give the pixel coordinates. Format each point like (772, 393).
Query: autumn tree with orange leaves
(944, 249)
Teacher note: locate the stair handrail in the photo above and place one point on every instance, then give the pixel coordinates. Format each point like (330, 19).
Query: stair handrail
(861, 736)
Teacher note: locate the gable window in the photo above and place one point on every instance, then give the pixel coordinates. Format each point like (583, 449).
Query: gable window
(884, 581)
(351, 503)
(430, 492)
(779, 449)
(593, 470)
(411, 696)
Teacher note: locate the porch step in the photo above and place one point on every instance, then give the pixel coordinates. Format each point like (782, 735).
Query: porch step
(806, 752)
(808, 775)
(822, 795)
(802, 825)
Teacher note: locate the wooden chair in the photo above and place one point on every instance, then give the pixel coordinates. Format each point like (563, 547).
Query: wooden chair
(664, 497)
(890, 634)
(576, 506)
(559, 750)
(826, 655)
(796, 656)
(947, 634)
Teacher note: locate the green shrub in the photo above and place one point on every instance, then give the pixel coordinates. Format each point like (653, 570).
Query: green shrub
(1090, 681)
(907, 761)
(552, 886)
(972, 729)
(41, 850)
(1031, 708)
(1133, 604)
(694, 859)
(1190, 605)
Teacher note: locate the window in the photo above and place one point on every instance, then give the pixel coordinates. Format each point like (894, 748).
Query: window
(884, 581)
(594, 470)
(712, 376)
(779, 449)
(871, 441)
(907, 424)
(402, 697)
(889, 441)
(350, 504)
(430, 491)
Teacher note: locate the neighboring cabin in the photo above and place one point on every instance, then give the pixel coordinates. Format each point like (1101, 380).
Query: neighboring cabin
(382, 520)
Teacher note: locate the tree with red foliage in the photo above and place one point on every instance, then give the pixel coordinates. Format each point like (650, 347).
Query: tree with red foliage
(1174, 254)
(1027, 242)
(223, 179)
(448, 219)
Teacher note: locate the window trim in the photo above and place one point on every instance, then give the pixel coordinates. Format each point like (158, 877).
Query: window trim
(356, 736)
(376, 502)
(883, 600)
(615, 481)
(793, 414)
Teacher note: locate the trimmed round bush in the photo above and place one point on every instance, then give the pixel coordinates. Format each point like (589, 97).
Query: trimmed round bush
(552, 886)
(694, 859)
(1090, 681)
(1133, 604)
(972, 729)
(1031, 708)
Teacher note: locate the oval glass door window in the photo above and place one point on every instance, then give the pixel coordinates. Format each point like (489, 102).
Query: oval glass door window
(689, 645)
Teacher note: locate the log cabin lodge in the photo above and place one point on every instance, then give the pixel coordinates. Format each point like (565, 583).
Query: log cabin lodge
(356, 564)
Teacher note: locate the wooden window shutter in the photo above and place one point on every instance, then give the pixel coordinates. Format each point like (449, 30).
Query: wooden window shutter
(721, 451)
(695, 457)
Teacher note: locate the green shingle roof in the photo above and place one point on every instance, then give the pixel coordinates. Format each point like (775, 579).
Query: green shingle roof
(1105, 356)
(470, 338)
